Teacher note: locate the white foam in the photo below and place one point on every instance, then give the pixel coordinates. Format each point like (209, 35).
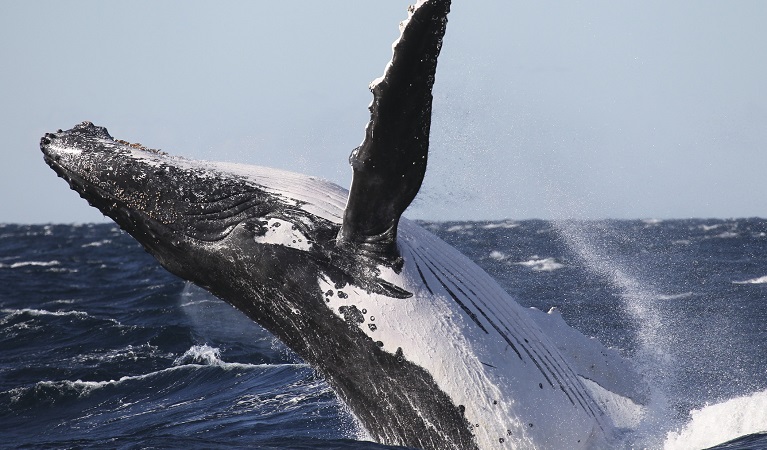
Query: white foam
(542, 265)
(760, 280)
(462, 227)
(505, 224)
(722, 422)
(674, 296)
(17, 265)
(498, 256)
(97, 243)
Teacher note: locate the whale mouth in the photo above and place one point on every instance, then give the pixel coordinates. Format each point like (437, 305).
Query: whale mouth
(65, 161)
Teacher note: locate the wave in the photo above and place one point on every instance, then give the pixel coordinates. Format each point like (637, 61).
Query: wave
(14, 313)
(760, 280)
(196, 358)
(722, 422)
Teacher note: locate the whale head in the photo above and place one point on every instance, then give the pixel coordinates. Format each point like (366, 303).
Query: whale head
(183, 212)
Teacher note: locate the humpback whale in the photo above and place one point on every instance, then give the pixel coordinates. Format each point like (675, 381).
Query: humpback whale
(425, 348)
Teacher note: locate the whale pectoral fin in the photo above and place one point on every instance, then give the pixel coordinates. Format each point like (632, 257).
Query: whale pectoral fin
(390, 164)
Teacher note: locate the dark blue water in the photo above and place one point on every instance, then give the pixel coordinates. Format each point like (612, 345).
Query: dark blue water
(101, 347)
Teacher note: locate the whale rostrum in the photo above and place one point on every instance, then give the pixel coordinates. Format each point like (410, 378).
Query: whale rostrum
(425, 348)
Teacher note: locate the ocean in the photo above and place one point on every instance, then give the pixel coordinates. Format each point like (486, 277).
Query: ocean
(100, 347)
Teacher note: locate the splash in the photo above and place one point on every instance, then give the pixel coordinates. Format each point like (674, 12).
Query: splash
(721, 422)
(200, 354)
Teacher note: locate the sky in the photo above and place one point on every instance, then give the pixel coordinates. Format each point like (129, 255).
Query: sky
(598, 109)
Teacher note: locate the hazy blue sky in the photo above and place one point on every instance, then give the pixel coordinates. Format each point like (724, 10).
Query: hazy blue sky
(608, 109)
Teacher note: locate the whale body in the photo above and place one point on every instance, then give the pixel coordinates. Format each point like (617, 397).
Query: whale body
(425, 348)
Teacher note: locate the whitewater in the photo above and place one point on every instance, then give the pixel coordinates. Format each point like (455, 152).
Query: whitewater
(101, 347)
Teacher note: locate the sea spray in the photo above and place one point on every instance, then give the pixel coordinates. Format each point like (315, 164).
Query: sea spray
(654, 337)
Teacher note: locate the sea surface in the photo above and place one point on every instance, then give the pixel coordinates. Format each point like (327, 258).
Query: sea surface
(102, 348)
